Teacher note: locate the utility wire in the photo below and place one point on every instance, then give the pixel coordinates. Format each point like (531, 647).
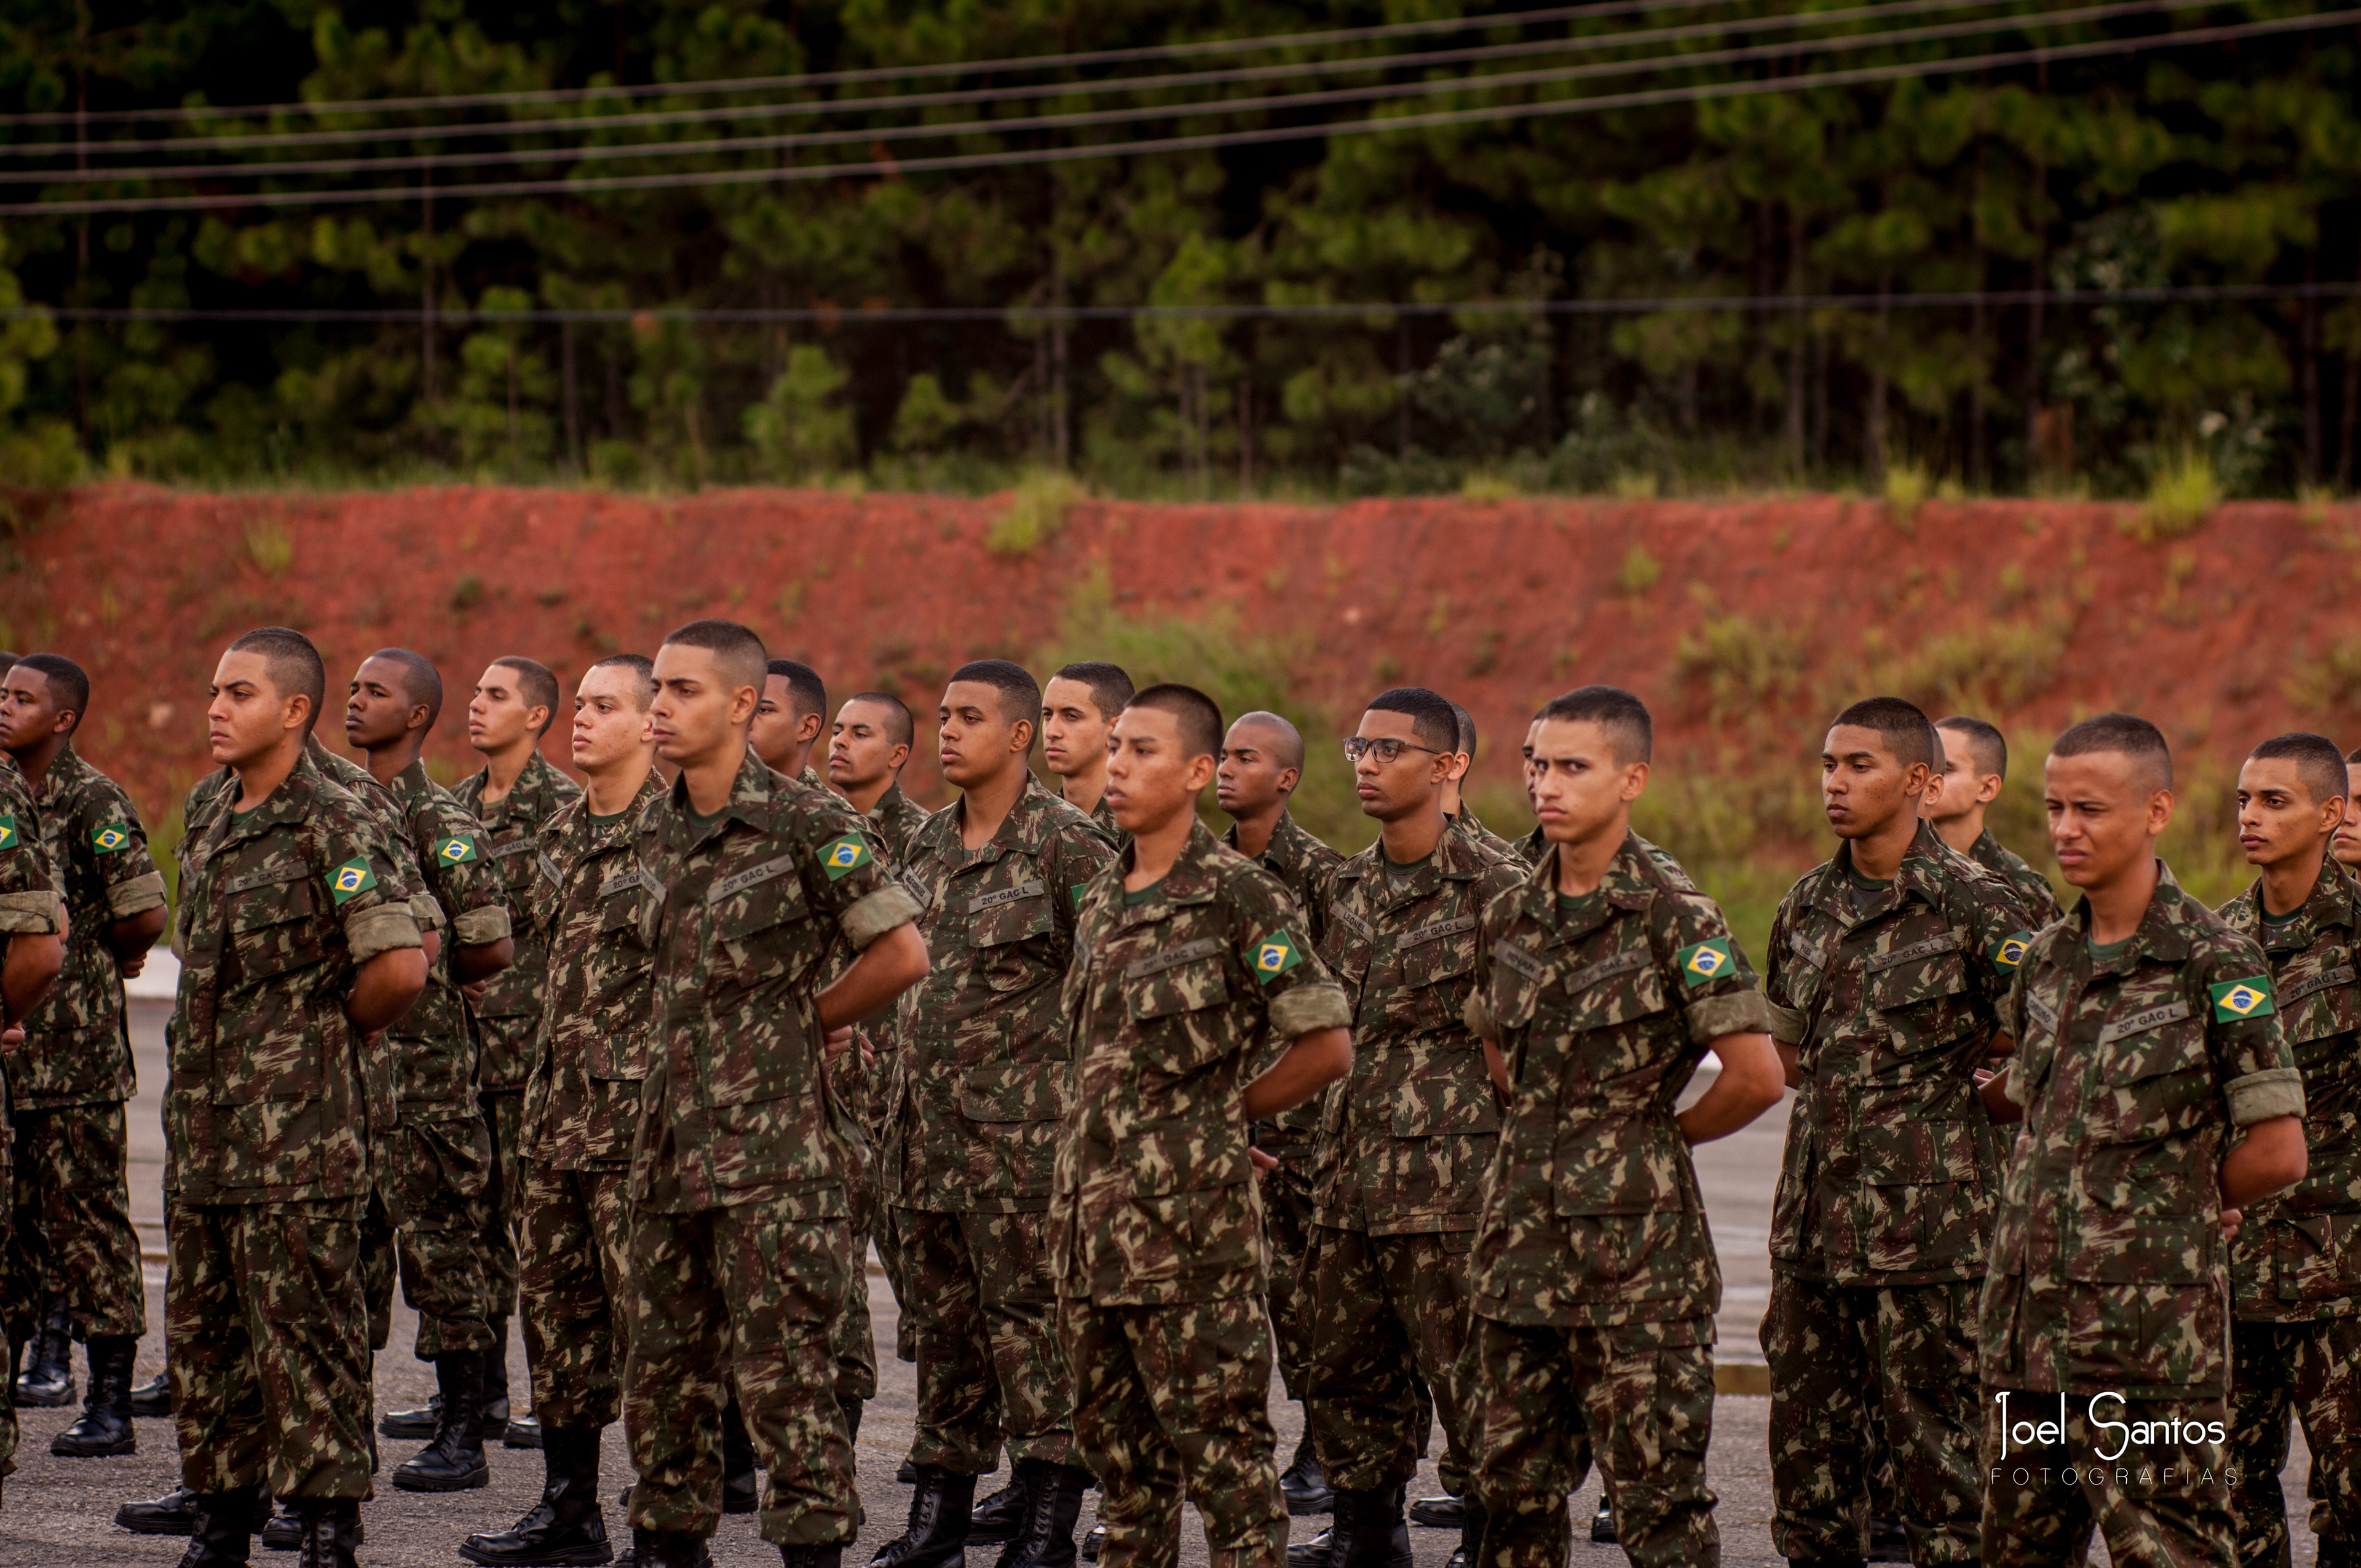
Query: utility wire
(1390, 93)
(892, 167)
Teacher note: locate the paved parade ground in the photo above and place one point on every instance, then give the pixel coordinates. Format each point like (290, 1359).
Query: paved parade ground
(60, 1511)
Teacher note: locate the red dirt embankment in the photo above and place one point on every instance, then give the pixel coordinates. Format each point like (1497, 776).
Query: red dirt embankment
(1722, 614)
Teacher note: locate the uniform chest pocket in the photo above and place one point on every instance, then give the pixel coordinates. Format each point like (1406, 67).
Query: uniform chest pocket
(2317, 1007)
(271, 931)
(2154, 1079)
(758, 916)
(1932, 969)
(1178, 1001)
(1517, 980)
(1346, 949)
(622, 916)
(1004, 921)
(1621, 988)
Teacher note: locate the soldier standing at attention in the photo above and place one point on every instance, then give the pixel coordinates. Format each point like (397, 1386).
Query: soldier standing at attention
(788, 722)
(1888, 966)
(588, 908)
(865, 755)
(1190, 966)
(75, 1250)
(1078, 709)
(1601, 983)
(1974, 765)
(514, 793)
(972, 1130)
(1398, 1169)
(739, 1240)
(293, 959)
(2295, 1263)
(1261, 762)
(2157, 1100)
(1455, 803)
(437, 1159)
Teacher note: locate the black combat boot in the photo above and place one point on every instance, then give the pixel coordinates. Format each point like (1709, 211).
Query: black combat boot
(153, 1398)
(566, 1527)
(829, 1556)
(941, 1504)
(1370, 1531)
(47, 1383)
(285, 1530)
(1311, 1554)
(741, 1493)
(455, 1461)
(1602, 1523)
(419, 1421)
(103, 1429)
(225, 1528)
(1053, 1503)
(668, 1549)
(1304, 1483)
(331, 1533)
(998, 1517)
(852, 1409)
(522, 1431)
(1471, 1536)
(177, 1512)
(496, 1383)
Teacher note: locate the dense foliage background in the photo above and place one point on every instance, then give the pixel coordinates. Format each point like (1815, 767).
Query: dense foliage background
(2227, 161)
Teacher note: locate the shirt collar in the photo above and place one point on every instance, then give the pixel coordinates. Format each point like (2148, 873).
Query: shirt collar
(1196, 877)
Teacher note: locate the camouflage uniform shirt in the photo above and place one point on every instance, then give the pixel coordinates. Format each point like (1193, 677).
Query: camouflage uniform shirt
(2107, 1266)
(588, 910)
(1891, 1001)
(895, 822)
(1405, 1138)
(269, 1099)
(32, 903)
(76, 1051)
(1592, 1215)
(1304, 866)
(434, 1061)
(2297, 1256)
(1173, 1000)
(510, 1015)
(984, 1073)
(1998, 858)
(733, 1109)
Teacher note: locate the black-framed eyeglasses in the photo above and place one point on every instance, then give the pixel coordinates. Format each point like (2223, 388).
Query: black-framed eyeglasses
(1388, 750)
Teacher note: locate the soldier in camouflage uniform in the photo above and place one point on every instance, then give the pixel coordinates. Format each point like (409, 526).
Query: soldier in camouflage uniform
(437, 1156)
(67, 1083)
(1399, 1168)
(2147, 1040)
(513, 796)
(1887, 967)
(589, 907)
(1078, 709)
(740, 1239)
(293, 959)
(972, 1133)
(1974, 765)
(1455, 804)
(1600, 985)
(1261, 762)
(1191, 965)
(2295, 1265)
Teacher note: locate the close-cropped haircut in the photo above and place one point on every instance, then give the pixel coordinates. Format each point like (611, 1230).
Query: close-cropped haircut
(1625, 719)
(69, 683)
(806, 691)
(1900, 724)
(1985, 742)
(1467, 744)
(536, 681)
(1110, 686)
(1289, 750)
(900, 729)
(292, 658)
(420, 681)
(1198, 716)
(737, 652)
(639, 664)
(1020, 694)
(1431, 719)
(2126, 734)
(2317, 762)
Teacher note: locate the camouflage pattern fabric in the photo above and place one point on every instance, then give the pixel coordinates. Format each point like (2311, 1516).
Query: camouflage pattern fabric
(434, 1047)
(738, 1295)
(433, 1184)
(2163, 1505)
(2108, 1270)
(849, 1100)
(2313, 1371)
(1303, 866)
(264, 1339)
(1465, 821)
(495, 1240)
(508, 1016)
(1645, 1388)
(1103, 818)
(32, 904)
(1387, 1321)
(895, 821)
(1287, 1231)
(72, 1223)
(1170, 1401)
(576, 1292)
(2040, 897)
(986, 1334)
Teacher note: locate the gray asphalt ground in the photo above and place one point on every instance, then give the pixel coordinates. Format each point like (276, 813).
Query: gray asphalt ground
(60, 1511)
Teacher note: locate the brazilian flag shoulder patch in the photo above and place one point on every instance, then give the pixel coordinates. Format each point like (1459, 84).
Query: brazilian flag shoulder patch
(839, 855)
(456, 850)
(2010, 951)
(113, 837)
(2236, 998)
(1275, 955)
(351, 879)
(8, 836)
(1707, 960)
(1080, 888)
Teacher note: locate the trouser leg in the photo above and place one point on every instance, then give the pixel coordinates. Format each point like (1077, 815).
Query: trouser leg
(675, 1378)
(1647, 1395)
(1287, 1223)
(1366, 1406)
(571, 1295)
(2327, 1389)
(2262, 1376)
(1820, 1377)
(77, 1159)
(440, 1169)
(503, 1113)
(784, 1280)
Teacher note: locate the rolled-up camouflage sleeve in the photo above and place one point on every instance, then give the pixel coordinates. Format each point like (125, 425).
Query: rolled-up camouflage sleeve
(1297, 992)
(1719, 994)
(480, 927)
(2260, 1096)
(2252, 1060)
(33, 913)
(879, 913)
(462, 880)
(118, 847)
(845, 876)
(362, 887)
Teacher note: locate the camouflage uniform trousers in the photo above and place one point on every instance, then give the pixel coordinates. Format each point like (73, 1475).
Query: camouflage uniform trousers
(990, 1368)
(1287, 1224)
(1541, 1400)
(1171, 1402)
(574, 1293)
(1830, 1348)
(1387, 1322)
(2157, 1505)
(503, 1190)
(73, 1229)
(263, 1336)
(746, 1295)
(854, 1338)
(9, 1339)
(2309, 1370)
(431, 1191)
(887, 1235)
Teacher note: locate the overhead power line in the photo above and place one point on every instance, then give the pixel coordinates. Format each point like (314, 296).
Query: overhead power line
(1327, 97)
(890, 166)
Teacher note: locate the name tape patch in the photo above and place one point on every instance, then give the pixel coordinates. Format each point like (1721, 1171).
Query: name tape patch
(1017, 894)
(753, 876)
(1948, 942)
(2141, 1022)
(1510, 955)
(1172, 958)
(1608, 968)
(1436, 930)
(2342, 974)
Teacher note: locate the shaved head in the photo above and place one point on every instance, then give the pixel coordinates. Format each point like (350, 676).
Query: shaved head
(1282, 739)
(422, 683)
(2128, 734)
